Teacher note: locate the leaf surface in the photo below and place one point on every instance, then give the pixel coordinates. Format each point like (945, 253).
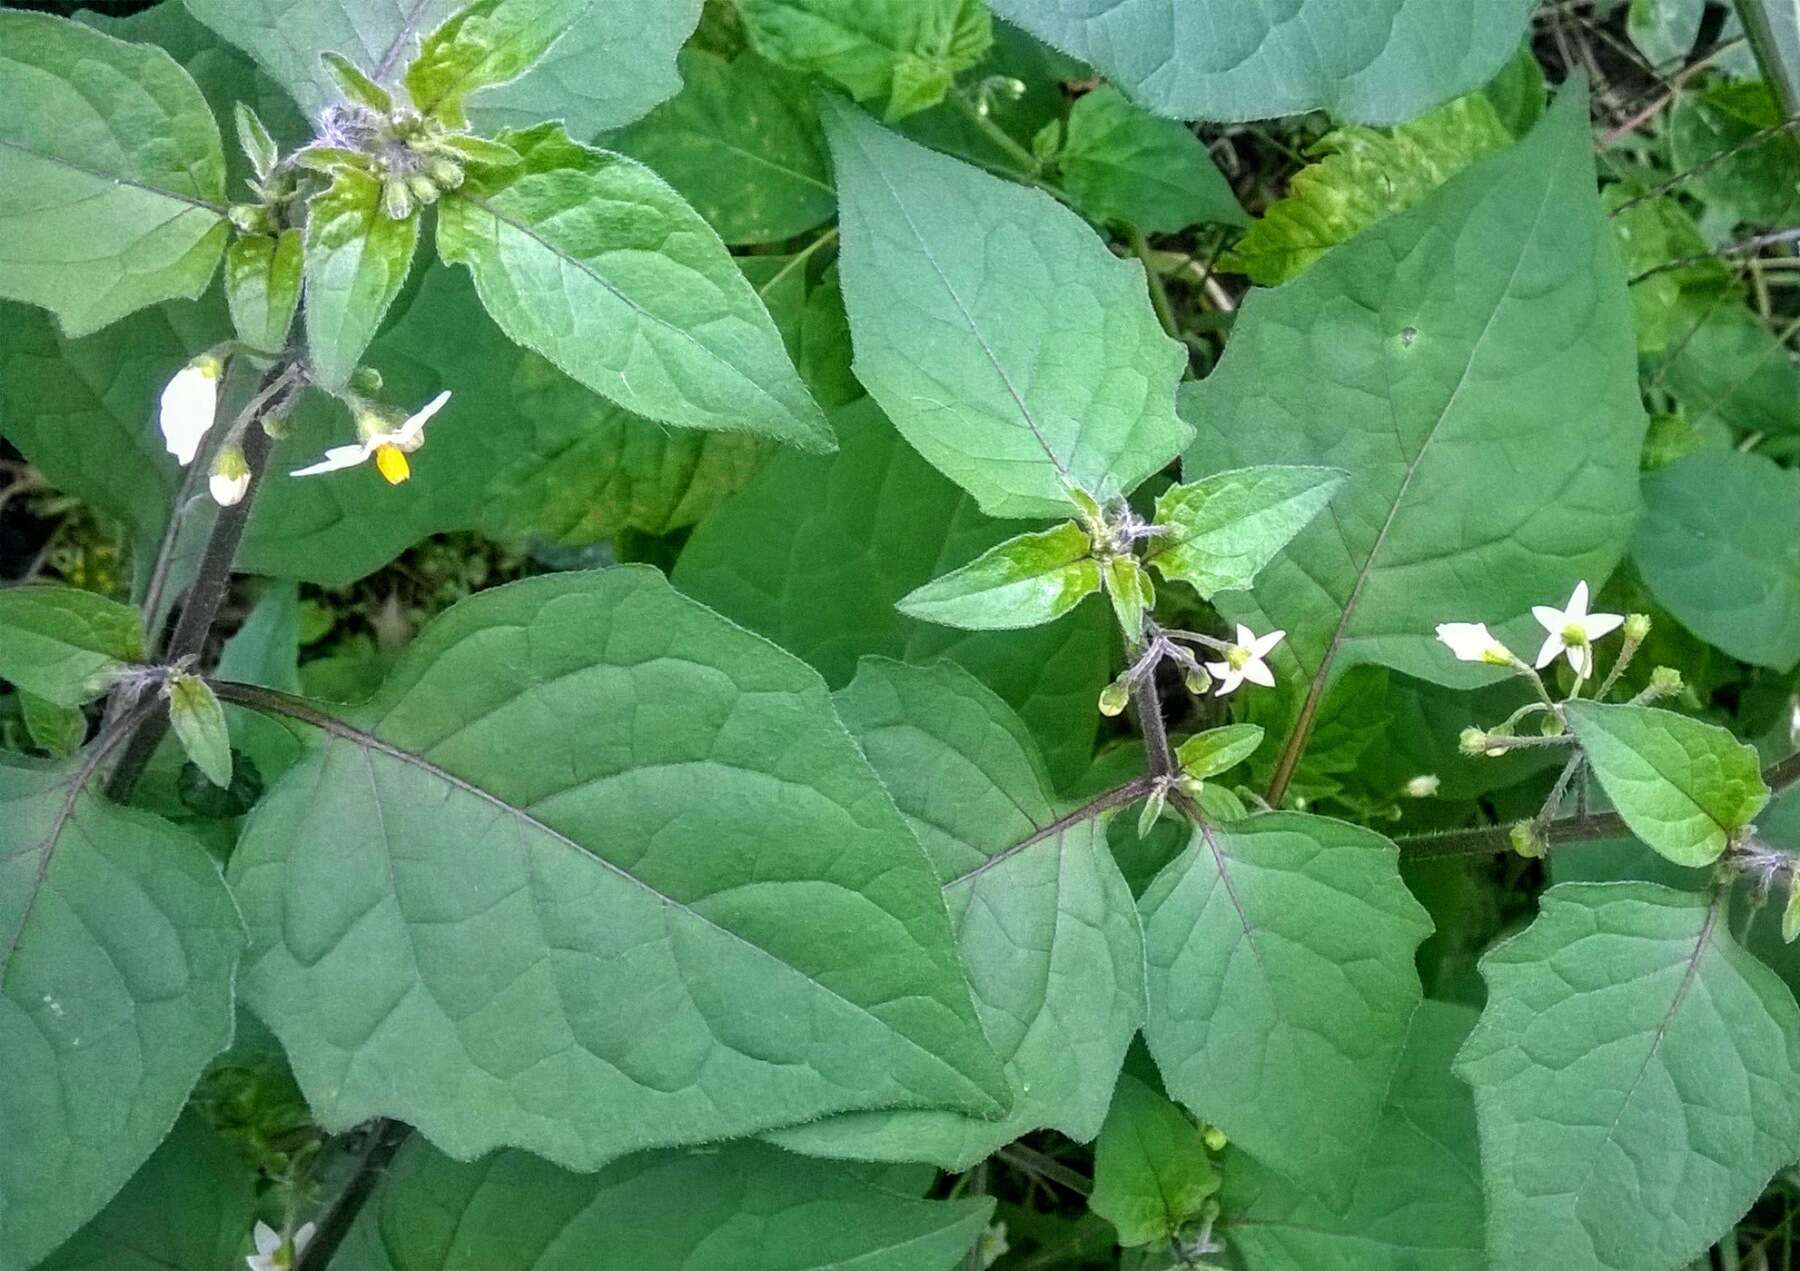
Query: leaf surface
(356, 260)
(1120, 163)
(65, 645)
(1024, 582)
(1152, 1175)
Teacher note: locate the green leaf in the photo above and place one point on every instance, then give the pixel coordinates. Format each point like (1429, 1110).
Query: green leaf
(357, 258)
(1664, 31)
(112, 175)
(482, 45)
(815, 554)
(56, 730)
(1375, 63)
(1221, 530)
(1152, 1176)
(1727, 568)
(906, 52)
(1681, 785)
(65, 645)
(1468, 497)
(1024, 582)
(1217, 750)
(1120, 163)
(728, 1208)
(117, 943)
(1417, 1201)
(997, 331)
(1361, 177)
(1726, 365)
(1634, 1077)
(354, 86)
(1281, 985)
(199, 724)
(1045, 923)
(1711, 133)
(262, 285)
(254, 140)
(1132, 593)
(190, 1208)
(743, 144)
(643, 305)
(580, 802)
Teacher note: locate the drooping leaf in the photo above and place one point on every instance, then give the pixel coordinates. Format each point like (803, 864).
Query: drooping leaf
(1417, 1201)
(1469, 497)
(1682, 785)
(578, 803)
(482, 45)
(112, 175)
(738, 1207)
(1120, 163)
(590, 259)
(1152, 1175)
(262, 286)
(1219, 531)
(815, 553)
(1045, 923)
(1281, 986)
(742, 143)
(996, 330)
(357, 258)
(1024, 582)
(198, 722)
(65, 645)
(1635, 1080)
(1379, 62)
(117, 943)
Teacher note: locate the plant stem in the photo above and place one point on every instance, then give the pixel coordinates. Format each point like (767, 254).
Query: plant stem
(1159, 294)
(1777, 51)
(385, 1138)
(1035, 1162)
(1147, 703)
(998, 135)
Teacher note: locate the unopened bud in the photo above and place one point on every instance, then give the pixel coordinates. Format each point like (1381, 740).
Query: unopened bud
(1665, 681)
(446, 172)
(1637, 627)
(1115, 696)
(1197, 680)
(422, 188)
(1528, 840)
(251, 218)
(1550, 724)
(1214, 1138)
(1421, 787)
(366, 380)
(230, 479)
(395, 200)
(1472, 741)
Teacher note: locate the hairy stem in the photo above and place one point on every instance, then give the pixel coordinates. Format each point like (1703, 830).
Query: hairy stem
(1147, 703)
(385, 1138)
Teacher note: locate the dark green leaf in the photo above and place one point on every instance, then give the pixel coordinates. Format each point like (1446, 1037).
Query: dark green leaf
(1120, 163)
(1152, 1175)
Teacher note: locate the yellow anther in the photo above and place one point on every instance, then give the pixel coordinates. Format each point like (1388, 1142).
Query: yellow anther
(391, 461)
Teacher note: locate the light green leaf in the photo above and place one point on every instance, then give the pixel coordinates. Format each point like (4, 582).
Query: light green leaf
(742, 143)
(1217, 750)
(815, 554)
(484, 44)
(65, 645)
(112, 176)
(357, 258)
(1281, 986)
(1131, 592)
(906, 53)
(1221, 530)
(199, 724)
(1712, 133)
(117, 942)
(580, 802)
(998, 332)
(1024, 582)
(1635, 1080)
(1468, 498)
(1378, 62)
(1727, 568)
(1363, 176)
(1045, 923)
(1152, 1176)
(1682, 786)
(1726, 366)
(190, 1208)
(642, 304)
(1664, 31)
(1120, 163)
(262, 286)
(56, 730)
(734, 1207)
(1417, 1202)
(354, 86)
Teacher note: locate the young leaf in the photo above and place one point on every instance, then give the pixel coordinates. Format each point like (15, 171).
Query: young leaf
(1379, 62)
(1254, 1022)
(1681, 785)
(117, 943)
(1003, 339)
(262, 286)
(1221, 530)
(1024, 582)
(1120, 163)
(112, 175)
(357, 258)
(1218, 750)
(199, 724)
(65, 645)
(464, 903)
(643, 304)
(484, 44)
(355, 86)
(1152, 1176)
(1635, 1080)
(1132, 593)
(732, 1207)
(57, 730)
(1045, 923)
(254, 139)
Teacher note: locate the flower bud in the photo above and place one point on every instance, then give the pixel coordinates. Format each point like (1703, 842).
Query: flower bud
(395, 200)
(1423, 786)
(1115, 696)
(189, 402)
(1665, 681)
(1637, 627)
(366, 380)
(230, 479)
(1197, 680)
(446, 172)
(1472, 741)
(1214, 1138)
(1528, 841)
(422, 188)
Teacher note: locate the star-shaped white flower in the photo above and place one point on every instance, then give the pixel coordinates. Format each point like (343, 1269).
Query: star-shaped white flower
(189, 402)
(272, 1253)
(1244, 661)
(1473, 642)
(388, 448)
(1573, 631)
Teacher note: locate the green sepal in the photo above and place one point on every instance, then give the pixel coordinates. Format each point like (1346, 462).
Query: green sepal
(1221, 530)
(355, 85)
(199, 724)
(1209, 753)
(1024, 582)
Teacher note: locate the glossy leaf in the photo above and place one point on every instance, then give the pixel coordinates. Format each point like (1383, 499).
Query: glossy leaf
(357, 258)
(1024, 582)
(65, 645)
(112, 176)
(1634, 1077)
(642, 304)
(1152, 1176)
(996, 330)
(1217, 750)
(1219, 531)
(1120, 163)
(262, 285)
(482, 45)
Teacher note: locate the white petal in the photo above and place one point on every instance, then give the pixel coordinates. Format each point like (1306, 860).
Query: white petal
(1549, 618)
(189, 402)
(1261, 646)
(415, 422)
(1230, 680)
(1581, 657)
(227, 491)
(1218, 670)
(260, 1262)
(304, 1236)
(337, 458)
(1245, 636)
(1600, 624)
(1257, 672)
(1552, 647)
(1469, 641)
(1578, 602)
(267, 1239)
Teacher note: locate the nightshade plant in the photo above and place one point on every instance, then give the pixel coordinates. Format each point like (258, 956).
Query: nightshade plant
(1026, 788)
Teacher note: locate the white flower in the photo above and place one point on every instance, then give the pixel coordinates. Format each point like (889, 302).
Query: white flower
(1573, 630)
(272, 1253)
(1244, 661)
(189, 402)
(388, 448)
(1473, 642)
(230, 479)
